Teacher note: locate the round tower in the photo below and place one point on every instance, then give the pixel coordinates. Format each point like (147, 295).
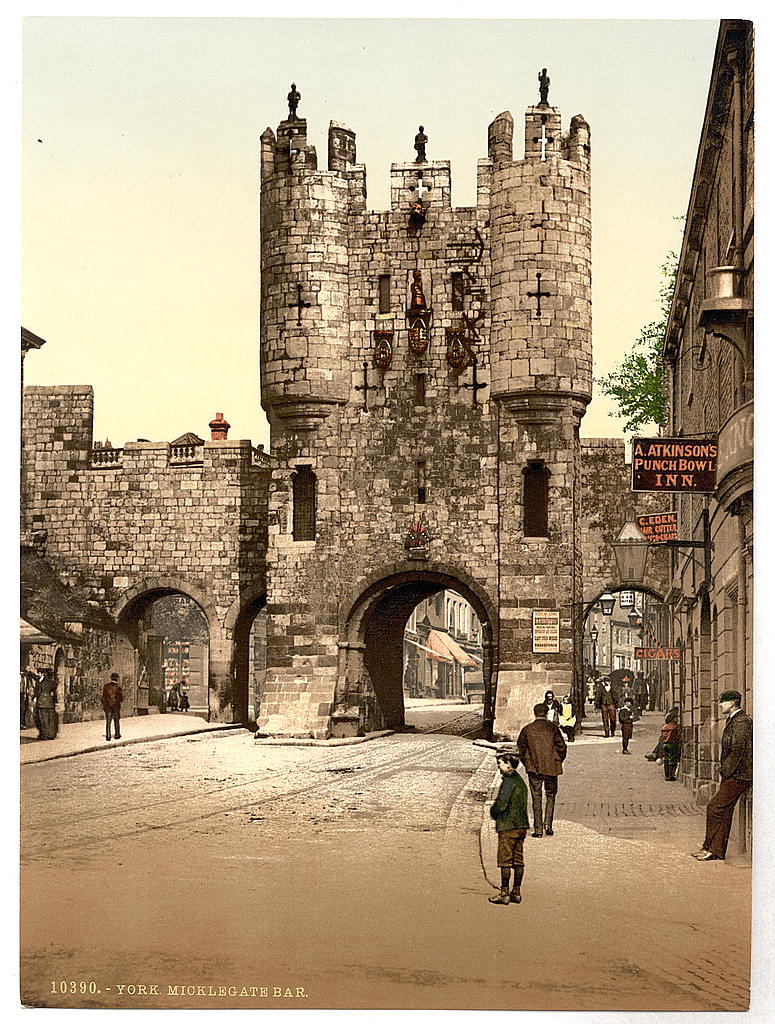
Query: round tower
(541, 342)
(541, 383)
(304, 275)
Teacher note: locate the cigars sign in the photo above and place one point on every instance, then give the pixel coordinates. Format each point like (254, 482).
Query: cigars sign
(658, 653)
(674, 464)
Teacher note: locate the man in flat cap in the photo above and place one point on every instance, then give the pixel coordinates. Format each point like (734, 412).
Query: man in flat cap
(736, 771)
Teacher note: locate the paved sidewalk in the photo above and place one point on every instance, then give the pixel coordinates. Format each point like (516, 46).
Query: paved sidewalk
(84, 737)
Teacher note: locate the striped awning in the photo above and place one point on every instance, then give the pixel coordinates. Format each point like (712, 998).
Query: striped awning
(442, 644)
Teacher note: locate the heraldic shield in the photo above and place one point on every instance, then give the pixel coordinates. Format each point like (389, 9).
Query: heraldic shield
(383, 349)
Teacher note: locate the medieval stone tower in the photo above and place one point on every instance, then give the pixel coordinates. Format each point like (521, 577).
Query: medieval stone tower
(424, 371)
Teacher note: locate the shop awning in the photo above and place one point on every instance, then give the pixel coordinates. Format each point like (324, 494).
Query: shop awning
(443, 644)
(30, 634)
(430, 653)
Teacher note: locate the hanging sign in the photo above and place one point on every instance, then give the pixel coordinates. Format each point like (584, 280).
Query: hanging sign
(658, 653)
(546, 632)
(627, 599)
(659, 526)
(674, 464)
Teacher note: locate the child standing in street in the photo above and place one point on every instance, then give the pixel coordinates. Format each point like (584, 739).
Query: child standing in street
(626, 716)
(671, 747)
(509, 810)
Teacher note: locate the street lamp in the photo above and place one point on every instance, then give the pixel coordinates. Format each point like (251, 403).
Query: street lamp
(607, 602)
(633, 617)
(593, 636)
(631, 549)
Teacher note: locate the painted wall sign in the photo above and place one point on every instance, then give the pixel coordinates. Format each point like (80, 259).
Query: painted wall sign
(674, 464)
(546, 632)
(658, 653)
(659, 526)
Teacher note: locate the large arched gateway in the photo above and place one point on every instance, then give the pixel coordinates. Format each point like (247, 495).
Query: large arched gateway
(371, 650)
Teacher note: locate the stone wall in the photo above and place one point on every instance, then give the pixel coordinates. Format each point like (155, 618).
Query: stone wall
(126, 523)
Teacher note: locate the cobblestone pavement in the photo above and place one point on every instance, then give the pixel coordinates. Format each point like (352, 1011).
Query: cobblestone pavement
(359, 875)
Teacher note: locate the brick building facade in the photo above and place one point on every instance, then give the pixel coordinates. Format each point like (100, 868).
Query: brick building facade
(709, 354)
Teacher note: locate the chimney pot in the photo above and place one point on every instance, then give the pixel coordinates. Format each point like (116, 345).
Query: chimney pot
(219, 428)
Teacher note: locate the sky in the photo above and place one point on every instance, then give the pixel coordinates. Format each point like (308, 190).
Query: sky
(140, 178)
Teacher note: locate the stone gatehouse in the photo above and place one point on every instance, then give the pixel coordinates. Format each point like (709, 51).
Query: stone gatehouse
(424, 371)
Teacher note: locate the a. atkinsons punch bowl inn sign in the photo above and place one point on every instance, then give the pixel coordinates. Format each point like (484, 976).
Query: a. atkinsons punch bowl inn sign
(674, 464)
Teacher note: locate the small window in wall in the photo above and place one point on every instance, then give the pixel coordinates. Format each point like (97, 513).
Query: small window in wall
(419, 389)
(536, 500)
(421, 483)
(384, 293)
(304, 498)
(458, 292)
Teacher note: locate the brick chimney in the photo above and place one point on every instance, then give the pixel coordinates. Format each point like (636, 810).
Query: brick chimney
(219, 428)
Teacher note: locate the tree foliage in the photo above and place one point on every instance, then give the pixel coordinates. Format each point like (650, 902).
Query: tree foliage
(637, 384)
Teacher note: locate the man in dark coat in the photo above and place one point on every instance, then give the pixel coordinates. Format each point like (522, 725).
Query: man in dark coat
(112, 696)
(542, 750)
(736, 771)
(607, 705)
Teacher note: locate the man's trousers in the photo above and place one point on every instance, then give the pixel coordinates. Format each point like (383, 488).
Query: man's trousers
(542, 820)
(718, 815)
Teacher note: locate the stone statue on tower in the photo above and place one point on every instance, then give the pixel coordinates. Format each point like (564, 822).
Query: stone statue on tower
(543, 87)
(293, 101)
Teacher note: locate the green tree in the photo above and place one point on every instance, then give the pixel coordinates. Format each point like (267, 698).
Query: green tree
(637, 385)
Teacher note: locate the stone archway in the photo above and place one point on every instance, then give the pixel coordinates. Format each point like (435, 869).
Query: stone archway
(246, 622)
(132, 612)
(370, 679)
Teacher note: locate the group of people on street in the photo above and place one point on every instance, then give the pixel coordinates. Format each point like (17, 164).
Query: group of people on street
(177, 699)
(542, 749)
(38, 701)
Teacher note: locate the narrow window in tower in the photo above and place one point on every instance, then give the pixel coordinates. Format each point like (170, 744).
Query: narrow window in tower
(304, 484)
(421, 484)
(458, 292)
(384, 293)
(419, 389)
(536, 500)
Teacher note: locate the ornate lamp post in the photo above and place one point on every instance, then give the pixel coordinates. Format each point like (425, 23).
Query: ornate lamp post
(631, 549)
(593, 636)
(607, 602)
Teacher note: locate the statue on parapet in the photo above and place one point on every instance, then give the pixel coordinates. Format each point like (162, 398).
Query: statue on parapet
(543, 87)
(420, 140)
(293, 101)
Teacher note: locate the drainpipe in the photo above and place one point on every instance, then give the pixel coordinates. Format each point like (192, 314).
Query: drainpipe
(742, 605)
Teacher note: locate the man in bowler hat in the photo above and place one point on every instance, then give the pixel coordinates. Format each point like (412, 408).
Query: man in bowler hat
(736, 771)
(112, 696)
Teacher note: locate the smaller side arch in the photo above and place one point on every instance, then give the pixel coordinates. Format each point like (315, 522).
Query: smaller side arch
(154, 584)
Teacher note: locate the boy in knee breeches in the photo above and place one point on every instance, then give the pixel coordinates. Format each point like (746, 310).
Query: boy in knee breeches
(509, 810)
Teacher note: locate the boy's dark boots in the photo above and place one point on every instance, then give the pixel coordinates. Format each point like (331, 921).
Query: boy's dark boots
(502, 897)
(516, 895)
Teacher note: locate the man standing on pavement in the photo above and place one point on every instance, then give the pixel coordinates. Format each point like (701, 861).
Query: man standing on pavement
(736, 771)
(112, 696)
(542, 750)
(605, 701)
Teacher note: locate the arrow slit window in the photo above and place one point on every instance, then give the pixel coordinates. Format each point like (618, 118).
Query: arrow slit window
(536, 500)
(304, 483)
(384, 293)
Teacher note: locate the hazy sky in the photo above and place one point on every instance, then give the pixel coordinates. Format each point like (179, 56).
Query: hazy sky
(141, 179)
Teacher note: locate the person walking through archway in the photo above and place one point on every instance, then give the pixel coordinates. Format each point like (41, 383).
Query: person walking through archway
(606, 704)
(542, 750)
